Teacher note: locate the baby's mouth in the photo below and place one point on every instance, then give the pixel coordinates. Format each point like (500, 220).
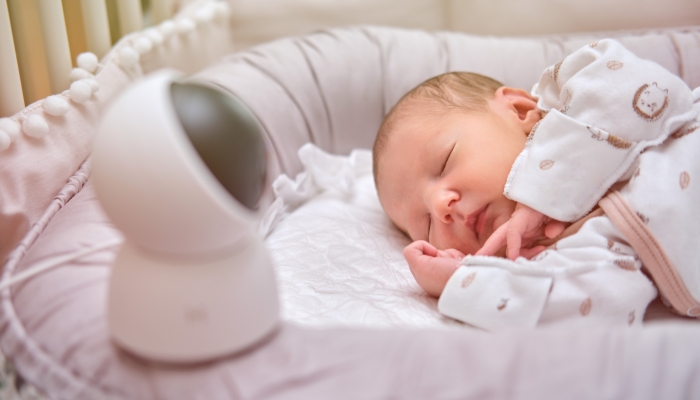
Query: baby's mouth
(481, 223)
(476, 222)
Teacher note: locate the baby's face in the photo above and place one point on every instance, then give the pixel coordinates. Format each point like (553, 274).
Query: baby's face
(441, 178)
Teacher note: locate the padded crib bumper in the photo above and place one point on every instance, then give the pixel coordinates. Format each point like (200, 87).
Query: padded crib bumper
(334, 87)
(331, 88)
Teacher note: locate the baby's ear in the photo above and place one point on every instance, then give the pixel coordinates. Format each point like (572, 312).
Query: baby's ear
(521, 103)
(518, 98)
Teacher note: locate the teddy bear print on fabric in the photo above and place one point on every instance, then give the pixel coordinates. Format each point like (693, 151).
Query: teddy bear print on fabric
(557, 66)
(546, 164)
(684, 180)
(684, 131)
(553, 71)
(585, 307)
(531, 135)
(567, 104)
(650, 101)
(626, 263)
(540, 256)
(616, 247)
(614, 65)
(643, 218)
(614, 141)
(468, 280)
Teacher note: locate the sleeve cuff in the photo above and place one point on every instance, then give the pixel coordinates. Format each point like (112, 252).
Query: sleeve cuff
(494, 299)
(567, 167)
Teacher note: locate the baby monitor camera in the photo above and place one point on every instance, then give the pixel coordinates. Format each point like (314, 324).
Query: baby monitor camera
(180, 168)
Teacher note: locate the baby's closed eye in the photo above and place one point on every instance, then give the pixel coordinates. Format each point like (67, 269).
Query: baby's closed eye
(447, 158)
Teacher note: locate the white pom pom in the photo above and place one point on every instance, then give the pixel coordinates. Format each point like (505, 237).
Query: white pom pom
(221, 10)
(55, 105)
(80, 91)
(167, 28)
(77, 74)
(11, 128)
(204, 14)
(155, 36)
(143, 45)
(4, 140)
(94, 85)
(128, 57)
(88, 61)
(35, 126)
(185, 26)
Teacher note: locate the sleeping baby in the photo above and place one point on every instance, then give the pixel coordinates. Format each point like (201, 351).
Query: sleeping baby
(567, 201)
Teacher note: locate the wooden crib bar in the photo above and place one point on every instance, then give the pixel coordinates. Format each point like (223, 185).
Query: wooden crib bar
(11, 98)
(55, 40)
(130, 17)
(96, 24)
(35, 47)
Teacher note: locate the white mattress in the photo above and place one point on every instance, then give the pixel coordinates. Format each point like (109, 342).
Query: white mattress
(338, 257)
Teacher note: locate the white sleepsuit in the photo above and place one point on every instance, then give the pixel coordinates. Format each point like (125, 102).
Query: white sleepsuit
(616, 128)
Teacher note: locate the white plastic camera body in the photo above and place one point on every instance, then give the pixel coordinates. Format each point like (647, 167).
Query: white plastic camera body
(193, 280)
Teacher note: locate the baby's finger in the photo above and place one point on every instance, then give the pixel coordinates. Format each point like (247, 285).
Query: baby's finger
(417, 260)
(514, 238)
(451, 253)
(554, 228)
(529, 253)
(419, 248)
(494, 242)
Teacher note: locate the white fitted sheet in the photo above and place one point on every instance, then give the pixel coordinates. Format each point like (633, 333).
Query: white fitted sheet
(339, 259)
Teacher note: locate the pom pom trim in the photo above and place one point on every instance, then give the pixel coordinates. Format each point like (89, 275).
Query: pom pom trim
(35, 126)
(55, 105)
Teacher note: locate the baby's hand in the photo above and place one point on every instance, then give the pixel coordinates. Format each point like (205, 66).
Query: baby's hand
(523, 228)
(431, 267)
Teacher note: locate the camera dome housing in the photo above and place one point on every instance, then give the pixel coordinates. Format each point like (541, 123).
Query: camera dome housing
(179, 169)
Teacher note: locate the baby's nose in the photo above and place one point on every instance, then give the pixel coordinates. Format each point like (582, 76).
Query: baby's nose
(444, 206)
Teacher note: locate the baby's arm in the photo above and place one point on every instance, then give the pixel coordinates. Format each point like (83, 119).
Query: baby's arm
(432, 268)
(593, 275)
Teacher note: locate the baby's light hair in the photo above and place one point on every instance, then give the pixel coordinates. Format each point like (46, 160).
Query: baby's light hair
(452, 91)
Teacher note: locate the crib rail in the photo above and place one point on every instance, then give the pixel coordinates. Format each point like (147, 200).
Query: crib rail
(40, 40)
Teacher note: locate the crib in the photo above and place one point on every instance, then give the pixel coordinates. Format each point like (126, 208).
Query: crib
(354, 324)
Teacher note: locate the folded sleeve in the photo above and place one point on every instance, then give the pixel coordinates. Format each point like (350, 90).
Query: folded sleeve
(591, 276)
(494, 298)
(602, 106)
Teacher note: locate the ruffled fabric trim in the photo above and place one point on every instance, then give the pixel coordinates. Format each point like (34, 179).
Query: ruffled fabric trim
(322, 172)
